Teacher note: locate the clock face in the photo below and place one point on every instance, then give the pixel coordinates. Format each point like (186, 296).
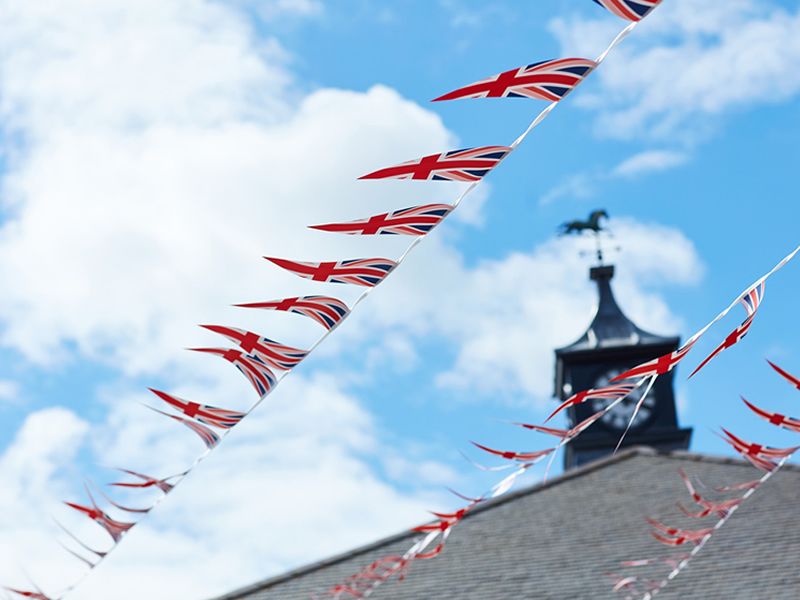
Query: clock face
(619, 417)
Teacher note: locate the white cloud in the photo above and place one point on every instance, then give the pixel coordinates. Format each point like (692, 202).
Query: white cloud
(46, 442)
(150, 186)
(651, 161)
(581, 186)
(476, 15)
(128, 67)
(34, 469)
(505, 316)
(9, 391)
(271, 9)
(262, 503)
(519, 320)
(689, 63)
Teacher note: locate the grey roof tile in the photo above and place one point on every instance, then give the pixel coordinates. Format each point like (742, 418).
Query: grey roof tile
(555, 541)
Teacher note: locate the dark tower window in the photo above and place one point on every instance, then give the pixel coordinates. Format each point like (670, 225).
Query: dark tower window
(612, 344)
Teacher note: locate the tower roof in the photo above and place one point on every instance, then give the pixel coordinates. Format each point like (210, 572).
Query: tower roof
(611, 327)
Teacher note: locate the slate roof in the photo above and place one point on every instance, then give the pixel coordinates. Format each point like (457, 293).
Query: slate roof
(555, 541)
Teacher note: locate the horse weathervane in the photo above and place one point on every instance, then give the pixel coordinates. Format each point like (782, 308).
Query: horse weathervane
(591, 224)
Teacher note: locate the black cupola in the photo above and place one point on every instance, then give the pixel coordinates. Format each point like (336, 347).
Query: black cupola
(612, 344)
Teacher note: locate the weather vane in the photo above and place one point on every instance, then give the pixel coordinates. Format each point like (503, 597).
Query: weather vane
(591, 224)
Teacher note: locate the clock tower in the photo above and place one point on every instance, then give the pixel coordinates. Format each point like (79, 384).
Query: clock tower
(611, 345)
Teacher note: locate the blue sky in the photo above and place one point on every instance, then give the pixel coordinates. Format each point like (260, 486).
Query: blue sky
(153, 153)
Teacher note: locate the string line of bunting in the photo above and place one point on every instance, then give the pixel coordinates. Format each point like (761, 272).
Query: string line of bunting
(766, 459)
(364, 583)
(265, 362)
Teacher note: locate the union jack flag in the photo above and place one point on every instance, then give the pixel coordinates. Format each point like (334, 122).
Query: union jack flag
(257, 372)
(208, 415)
(518, 456)
(441, 525)
(276, 355)
(736, 487)
(559, 433)
(360, 584)
(759, 456)
(722, 508)
(782, 421)
(610, 392)
(148, 482)
(38, 595)
(682, 535)
(455, 516)
(632, 10)
(210, 439)
(437, 550)
(565, 433)
(750, 301)
(416, 220)
(324, 310)
(116, 529)
(623, 583)
(367, 272)
(470, 164)
(548, 80)
(787, 376)
(657, 366)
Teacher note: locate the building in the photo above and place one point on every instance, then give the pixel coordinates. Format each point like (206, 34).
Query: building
(557, 540)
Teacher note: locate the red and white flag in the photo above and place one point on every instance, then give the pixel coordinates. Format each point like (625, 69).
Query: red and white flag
(524, 457)
(750, 301)
(274, 354)
(38, 595)
(209, 438)
(325, 310)
(610, 392)
(632, 10)
(221, 418)
(658, 366)
(761, 457)
(548, 80)
(148, 482)
(251, 366)
(417, 220)
(116, 529)
(469, 165)
(780, 420)
(367, 272)
(795, 381)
